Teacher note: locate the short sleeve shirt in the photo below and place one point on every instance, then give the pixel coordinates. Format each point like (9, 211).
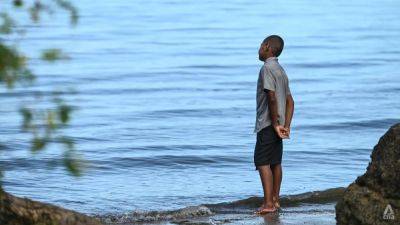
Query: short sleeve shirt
(271, 77)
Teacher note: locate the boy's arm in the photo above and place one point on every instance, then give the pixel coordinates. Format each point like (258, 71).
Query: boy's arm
(273, 110)
(289, 112)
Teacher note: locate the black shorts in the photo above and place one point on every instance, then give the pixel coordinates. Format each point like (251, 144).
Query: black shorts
(268, 150)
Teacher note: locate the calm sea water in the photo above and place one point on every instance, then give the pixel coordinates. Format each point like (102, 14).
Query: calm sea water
(165, 98)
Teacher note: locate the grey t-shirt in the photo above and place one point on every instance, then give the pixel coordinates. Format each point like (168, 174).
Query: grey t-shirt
(272, 77)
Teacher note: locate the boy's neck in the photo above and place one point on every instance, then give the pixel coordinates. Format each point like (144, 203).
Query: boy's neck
(271, 58)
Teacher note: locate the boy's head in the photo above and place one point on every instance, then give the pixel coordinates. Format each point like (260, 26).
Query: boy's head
(271, 46)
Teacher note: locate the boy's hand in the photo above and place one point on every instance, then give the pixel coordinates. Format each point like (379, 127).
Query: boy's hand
(287, 131)
(281, 131)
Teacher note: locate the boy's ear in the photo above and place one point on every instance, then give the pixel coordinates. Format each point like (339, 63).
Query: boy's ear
(264, 48)
(267, 46)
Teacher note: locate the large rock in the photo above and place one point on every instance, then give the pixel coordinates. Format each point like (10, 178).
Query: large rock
(22, 211)
(374, 198)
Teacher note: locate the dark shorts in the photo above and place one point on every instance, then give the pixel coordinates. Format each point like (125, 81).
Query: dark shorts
(268, 150)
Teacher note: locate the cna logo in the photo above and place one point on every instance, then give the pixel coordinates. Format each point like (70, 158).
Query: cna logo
(388, 214)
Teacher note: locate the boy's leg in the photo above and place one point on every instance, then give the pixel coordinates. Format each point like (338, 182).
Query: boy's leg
(267, 184)
(277, 177)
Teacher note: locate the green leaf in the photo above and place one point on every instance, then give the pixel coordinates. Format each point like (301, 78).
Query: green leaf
(64, 113)
(50, 120)
(18, 3)
(35, 11)
(27, 115)
(38, 144)
(53, 54)
(67, 5)
(72, 163)
(7, 24)
(13, 66)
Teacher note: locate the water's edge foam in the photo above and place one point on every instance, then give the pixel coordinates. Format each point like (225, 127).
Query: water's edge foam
(241, 206)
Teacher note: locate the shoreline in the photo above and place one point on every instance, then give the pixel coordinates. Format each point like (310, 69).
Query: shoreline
(318, 214)
(316, 207)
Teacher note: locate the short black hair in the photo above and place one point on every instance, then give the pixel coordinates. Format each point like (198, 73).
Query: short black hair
(275, 43)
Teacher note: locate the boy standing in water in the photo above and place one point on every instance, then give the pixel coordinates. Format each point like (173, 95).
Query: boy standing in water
(275, 108)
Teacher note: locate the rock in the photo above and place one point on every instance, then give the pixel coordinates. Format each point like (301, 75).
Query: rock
(136, 217)
(374, 198)
(23, 211)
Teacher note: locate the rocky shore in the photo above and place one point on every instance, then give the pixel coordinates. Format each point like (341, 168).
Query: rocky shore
(374, 198)
(23, 211)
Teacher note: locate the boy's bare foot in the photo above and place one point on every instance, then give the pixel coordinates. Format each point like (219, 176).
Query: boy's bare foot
(265, 209)
(261, 207)
(276, 202)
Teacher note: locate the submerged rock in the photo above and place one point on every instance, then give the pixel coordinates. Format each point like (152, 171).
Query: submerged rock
(23, 211)
(374, 198)
(134, 217)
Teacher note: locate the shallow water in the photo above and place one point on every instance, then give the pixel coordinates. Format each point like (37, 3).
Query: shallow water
(165, 93)
(306, 214)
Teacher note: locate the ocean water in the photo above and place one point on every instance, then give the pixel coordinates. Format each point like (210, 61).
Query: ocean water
(165, 99)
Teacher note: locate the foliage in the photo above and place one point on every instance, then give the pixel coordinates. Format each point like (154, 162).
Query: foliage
(13, 66)
(44, 124)
(53, 54)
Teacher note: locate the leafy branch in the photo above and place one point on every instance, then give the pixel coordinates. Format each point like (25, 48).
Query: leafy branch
(44, 124)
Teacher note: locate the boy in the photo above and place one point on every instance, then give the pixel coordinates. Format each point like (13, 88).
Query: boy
(275, 108)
